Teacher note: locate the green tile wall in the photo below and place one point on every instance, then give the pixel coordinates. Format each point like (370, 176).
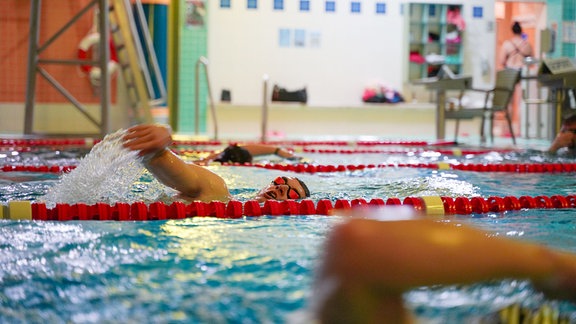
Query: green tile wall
(560, 11)
(569, 14)
(193, 44)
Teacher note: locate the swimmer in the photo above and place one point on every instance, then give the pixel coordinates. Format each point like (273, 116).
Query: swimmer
(195, 182)
(567, 136)
(235, 153)
(368, 264)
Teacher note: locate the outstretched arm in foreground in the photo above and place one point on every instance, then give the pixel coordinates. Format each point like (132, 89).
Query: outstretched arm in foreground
(192, 181)
(563, 139)
(369, 265)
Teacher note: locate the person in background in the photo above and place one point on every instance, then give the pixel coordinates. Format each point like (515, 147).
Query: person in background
(369, 264)
(195, 182)
(511, 56)
(566, 138)
(235, 153)
(515, 49)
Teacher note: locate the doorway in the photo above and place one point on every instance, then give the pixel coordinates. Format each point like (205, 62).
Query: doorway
(532, 19)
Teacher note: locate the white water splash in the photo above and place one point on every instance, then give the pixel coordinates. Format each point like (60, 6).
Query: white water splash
(106, 174)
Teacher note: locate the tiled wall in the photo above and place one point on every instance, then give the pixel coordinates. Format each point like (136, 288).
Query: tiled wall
(14, 28)
(193, 45)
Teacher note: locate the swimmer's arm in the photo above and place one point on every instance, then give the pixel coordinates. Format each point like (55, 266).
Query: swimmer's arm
(399, 256)
(263, 149)
(192, 181)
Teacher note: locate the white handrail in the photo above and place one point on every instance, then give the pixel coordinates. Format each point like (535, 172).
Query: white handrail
(203, 61)
(264, 108)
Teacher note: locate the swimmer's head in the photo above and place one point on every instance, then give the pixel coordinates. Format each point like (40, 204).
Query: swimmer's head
(234, 154)
(569, 126)
(284, 188)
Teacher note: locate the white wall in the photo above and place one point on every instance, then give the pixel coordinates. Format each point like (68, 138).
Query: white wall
(354, 49)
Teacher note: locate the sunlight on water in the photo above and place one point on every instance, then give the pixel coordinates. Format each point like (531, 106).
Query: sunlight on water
(106, 175)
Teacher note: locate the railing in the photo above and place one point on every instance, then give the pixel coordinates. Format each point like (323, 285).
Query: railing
(264, 108)
(204, 62)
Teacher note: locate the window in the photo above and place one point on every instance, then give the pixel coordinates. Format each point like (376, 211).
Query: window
(284, 37)
(252, 4)
(299, 38)
(304, 5)
(355, 7)
(477, 12)
(278, 4)
(380, 7)
(330, 6)
(432, 11)
(224, 3)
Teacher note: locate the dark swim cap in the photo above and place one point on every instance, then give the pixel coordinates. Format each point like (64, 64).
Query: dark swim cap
(516, 28)
(234, 154)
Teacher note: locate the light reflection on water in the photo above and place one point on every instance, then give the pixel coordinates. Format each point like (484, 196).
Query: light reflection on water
(201, 269)
(254, 270)
(214, 270)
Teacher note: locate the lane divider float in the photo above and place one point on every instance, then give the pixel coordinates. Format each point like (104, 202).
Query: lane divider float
(322, 168)
(454, 152)
(139, 211)
(84, 141)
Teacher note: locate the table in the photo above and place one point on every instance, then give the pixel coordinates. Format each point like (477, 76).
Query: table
(441, 85)
(559, 83)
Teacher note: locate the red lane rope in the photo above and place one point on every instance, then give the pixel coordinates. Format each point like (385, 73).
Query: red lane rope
(404, 151)
(38, 142)
(34, 142)
(38, 168)
(326, 143)
(139, 211)
(508, 167)
(320, 168)
(369, 151)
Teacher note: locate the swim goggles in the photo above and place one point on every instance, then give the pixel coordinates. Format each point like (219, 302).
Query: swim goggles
(292, 194)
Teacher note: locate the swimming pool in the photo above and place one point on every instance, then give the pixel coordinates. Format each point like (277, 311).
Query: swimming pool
(252, 269)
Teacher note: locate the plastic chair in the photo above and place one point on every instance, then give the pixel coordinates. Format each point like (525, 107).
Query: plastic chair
(496, 99)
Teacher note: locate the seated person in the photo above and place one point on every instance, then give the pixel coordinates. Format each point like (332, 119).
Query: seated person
(368, 264)
(567, 136)
(235, 153)
(193, 181)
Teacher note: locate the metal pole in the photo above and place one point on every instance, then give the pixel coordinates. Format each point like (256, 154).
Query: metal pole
(440, 112)
(197, 97)
(103, 26)
(212, 108)
(264, 108)
(32, 65)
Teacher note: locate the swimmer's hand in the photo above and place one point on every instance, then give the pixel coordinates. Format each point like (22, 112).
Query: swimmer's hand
(561, 283)
(148, 139)
(299, 159)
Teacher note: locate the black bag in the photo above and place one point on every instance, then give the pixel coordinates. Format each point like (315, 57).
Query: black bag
(226, 96)
(281, 94)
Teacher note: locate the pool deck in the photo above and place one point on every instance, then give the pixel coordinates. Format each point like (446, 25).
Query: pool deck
(291, 121)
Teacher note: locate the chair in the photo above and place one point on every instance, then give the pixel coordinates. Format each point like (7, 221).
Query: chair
(496, 99)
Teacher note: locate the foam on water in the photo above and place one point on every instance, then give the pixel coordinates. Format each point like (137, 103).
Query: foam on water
(106, 174)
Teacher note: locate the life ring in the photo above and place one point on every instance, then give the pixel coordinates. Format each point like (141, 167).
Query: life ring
(85, 53)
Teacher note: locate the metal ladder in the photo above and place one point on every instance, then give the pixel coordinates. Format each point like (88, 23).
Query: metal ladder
(119, 18)
(131, 58)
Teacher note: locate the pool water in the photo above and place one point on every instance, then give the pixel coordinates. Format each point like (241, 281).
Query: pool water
(250, 270)
(199, 270)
